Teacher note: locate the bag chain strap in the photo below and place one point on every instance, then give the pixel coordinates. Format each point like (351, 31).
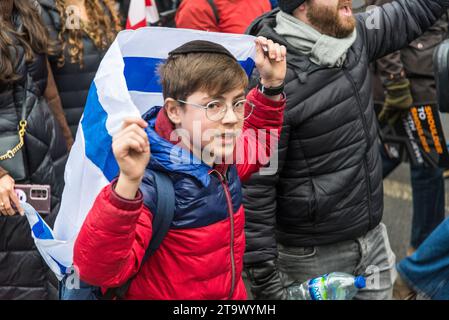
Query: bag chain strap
(12, 152)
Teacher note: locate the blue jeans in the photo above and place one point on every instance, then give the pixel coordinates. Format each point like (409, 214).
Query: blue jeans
(428, 197)
(427, 270)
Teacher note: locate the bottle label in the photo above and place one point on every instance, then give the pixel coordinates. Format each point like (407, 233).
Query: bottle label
(317, 288)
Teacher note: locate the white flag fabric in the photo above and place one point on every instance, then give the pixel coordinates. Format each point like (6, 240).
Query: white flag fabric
(126, 84)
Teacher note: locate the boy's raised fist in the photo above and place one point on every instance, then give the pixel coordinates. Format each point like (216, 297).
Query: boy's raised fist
(132, 149)
(271, 62)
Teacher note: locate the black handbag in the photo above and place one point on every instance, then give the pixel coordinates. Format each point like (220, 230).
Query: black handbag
(12, 157)
(441, 70)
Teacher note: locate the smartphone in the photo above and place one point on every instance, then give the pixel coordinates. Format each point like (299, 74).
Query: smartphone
(39, 196)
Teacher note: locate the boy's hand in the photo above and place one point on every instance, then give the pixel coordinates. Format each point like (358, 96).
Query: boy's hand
(132, 152)
(272, 64)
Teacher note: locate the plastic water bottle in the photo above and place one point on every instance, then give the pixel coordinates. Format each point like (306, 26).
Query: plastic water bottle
(331, 286)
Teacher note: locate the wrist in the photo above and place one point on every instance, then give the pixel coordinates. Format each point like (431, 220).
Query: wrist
(271, 92)
(271, 83)
(400, 86)
(127, 187)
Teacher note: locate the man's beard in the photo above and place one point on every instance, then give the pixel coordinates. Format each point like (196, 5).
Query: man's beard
(329, 21)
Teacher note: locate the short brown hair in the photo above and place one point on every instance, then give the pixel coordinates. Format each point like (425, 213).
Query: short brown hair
(183, 74)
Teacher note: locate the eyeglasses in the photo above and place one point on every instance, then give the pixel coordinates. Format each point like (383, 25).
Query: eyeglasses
(216, 109)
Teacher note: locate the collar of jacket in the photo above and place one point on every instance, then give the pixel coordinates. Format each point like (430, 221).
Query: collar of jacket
(167, 156)
(297, 61)
(321, 49)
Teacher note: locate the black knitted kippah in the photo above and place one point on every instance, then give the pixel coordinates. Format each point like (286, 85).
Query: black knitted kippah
(201, 46)
(290, 5)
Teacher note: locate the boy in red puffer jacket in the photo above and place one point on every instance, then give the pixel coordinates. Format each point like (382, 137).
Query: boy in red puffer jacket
(201, 255)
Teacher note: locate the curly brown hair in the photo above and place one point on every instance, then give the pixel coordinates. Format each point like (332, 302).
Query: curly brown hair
(33, 37)
(102, 29)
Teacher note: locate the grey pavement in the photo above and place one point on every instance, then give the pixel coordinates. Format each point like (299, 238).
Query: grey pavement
(398, 209)
(398, 203)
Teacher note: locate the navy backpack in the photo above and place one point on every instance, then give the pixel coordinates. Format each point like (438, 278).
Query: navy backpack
(161, 224)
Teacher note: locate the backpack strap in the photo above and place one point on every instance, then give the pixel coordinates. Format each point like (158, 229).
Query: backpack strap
(214, 9)
(161, 224)
(165, 212)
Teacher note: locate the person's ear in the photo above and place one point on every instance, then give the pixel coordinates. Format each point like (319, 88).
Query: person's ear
(173, 110)
(301, 10)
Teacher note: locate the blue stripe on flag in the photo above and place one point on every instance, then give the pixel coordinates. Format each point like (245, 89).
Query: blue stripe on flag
(40, 230)
(97, 140)
(61, 267)
(141, 73)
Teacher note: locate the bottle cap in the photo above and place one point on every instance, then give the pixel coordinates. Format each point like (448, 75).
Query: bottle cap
(360, 282)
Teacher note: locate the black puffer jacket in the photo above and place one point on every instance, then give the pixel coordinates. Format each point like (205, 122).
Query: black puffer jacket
(328, 186)
(416, 59)
(23, 274)
(73, 82)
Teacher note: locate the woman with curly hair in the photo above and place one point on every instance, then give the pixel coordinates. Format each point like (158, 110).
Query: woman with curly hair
(32, 148)
(83, 31)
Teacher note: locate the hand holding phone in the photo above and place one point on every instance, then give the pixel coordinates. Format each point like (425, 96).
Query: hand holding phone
(9, 202)
(38, 196)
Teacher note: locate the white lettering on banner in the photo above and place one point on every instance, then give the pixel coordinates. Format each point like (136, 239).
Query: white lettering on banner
(422, 113)
(409, 126)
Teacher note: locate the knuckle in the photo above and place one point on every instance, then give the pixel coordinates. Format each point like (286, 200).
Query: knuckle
(130, 135)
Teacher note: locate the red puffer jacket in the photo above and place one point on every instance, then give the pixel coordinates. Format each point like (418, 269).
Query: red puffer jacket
(201, 257)
(234, 16)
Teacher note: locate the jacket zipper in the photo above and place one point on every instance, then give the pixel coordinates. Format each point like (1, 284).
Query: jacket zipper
(224, 183)
(365, 130)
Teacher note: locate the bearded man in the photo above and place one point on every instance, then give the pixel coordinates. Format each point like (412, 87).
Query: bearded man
(322, 210)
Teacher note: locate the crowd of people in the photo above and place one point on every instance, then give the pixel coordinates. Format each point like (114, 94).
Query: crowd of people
(324, 80)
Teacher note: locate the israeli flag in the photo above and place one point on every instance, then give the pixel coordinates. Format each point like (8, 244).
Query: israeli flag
(126, 85)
